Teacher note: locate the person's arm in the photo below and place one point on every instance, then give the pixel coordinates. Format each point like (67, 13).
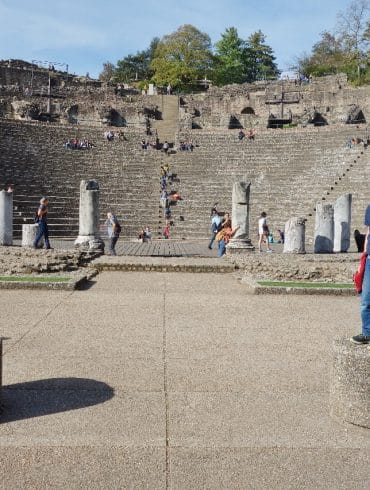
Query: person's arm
(41, 211)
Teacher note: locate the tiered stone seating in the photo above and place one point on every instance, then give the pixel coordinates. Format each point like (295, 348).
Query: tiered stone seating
(33, 158)
(290, 171)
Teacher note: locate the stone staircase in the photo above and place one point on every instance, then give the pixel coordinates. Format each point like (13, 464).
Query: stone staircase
(166, 127)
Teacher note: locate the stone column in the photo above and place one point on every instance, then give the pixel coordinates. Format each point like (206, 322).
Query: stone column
(240, 218)
(295, 233)
(6, 218)
(29, 233)
(88, 234)
(350, 384)
(342, 223)
(324, 229)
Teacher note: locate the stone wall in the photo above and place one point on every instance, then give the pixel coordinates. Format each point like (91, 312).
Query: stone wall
(330, 100)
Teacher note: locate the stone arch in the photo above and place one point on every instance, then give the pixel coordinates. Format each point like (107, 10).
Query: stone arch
(355, 116)
(248, 110)
(318, 119)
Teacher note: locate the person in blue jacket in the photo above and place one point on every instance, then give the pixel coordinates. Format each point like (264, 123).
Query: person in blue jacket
(364, 337)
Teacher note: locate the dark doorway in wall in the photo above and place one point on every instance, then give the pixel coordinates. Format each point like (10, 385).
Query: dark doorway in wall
(234, 123)
(318, 120)
(116, 119)
(356, 116)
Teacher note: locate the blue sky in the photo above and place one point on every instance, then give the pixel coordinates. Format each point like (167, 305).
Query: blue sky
(86, 33)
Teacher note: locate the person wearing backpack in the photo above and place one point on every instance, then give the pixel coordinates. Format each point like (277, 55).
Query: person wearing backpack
(42, 220)
(114, 230)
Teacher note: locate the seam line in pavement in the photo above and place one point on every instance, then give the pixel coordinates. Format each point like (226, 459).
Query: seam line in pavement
(164, 357)
(52, 309)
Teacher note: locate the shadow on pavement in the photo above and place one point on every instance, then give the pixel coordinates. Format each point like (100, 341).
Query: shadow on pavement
(48, 396)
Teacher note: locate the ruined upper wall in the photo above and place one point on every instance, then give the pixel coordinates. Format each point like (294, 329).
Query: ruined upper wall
(328, 99)
(80, 100)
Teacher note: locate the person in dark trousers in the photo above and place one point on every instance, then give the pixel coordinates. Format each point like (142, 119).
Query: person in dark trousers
(114, 230)
(360, 240)
(42, 219)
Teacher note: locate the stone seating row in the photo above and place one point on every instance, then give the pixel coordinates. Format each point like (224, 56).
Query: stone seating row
(129, 182)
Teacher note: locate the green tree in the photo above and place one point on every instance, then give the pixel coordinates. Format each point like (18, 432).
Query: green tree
(230, 59)
(136, 66)
(260, 59)
(328, 57)
(182, 58)
(345, 50)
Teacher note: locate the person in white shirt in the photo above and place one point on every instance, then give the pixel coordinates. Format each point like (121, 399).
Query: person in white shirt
(263, 232)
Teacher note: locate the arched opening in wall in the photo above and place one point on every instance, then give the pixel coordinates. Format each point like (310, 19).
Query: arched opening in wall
(248, 110)
(318, 120)
(356, 116)
(116, 119)
(234, 123)
(72, 114)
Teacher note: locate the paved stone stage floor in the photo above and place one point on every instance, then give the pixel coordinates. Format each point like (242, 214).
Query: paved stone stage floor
(174, 380)
(164, 248)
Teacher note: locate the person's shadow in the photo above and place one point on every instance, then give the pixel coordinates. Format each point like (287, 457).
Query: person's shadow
(47, 396)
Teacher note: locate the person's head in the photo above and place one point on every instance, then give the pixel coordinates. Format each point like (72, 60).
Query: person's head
(356, 233)
(226, 216)
(110, 215)
(44, 201)
(263, 214)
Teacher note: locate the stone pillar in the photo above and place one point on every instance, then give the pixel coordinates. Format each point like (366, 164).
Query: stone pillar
(240, 217)
(324, 229)
(295, 233)
(6, 218)
(88, 234)
(342, 223)
(350, 384)
(29, 233)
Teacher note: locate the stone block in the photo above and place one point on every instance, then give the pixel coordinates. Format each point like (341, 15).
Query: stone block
(6, 218)
(350, 385)
(342, 223)
(29, 233)
(295, 230)
(324, 228)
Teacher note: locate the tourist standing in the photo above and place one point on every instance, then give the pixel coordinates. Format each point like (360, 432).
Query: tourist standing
(215, 226)
(263, 232)
(114, 230)
(364, 337)
(41, 218)
(224, 237)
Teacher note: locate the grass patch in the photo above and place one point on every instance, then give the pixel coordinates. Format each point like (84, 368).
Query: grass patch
(311, 285)
(34, 279)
